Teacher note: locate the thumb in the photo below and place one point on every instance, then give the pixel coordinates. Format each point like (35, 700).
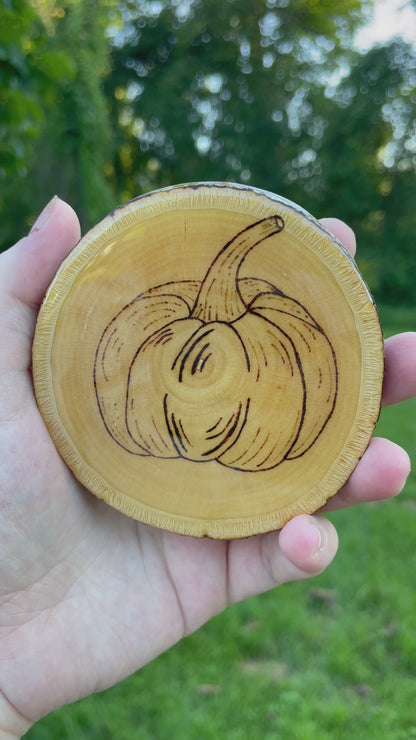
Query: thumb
(27, 269)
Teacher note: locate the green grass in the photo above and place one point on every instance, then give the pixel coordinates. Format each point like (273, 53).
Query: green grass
(329, 658)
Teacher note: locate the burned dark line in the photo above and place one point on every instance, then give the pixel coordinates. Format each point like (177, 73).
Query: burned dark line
(312, 323)
(177, 432)
(159, 434)
(163, 337)
(198, 358)
(247, 460)
(211, 429)
(192, 345)
(183, 433)
(265, 459)
(242, 344)
(239, 433)
(205, 360)
(101, 406)
(156, 445)
(144, 445)
(172, 436)
(222, 430)
(287, 355)
(302, 336)
(254, 350)
(104, 352)
(227, 436)
(294, 457)
(156, 321)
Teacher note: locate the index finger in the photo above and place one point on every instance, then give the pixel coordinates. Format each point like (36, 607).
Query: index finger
(342, 232)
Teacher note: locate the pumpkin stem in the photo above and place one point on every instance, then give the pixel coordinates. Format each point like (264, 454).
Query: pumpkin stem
(219, 298)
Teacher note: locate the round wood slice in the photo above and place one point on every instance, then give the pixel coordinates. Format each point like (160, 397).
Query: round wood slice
(208, 360)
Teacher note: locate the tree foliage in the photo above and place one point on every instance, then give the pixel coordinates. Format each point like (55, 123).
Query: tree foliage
(369, 162)
(75, 143)
(29, 71)
(102, 100)
(223, 90)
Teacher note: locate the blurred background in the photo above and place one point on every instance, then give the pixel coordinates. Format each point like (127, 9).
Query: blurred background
(102, 100)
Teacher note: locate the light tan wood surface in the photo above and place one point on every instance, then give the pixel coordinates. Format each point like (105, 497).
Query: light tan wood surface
(208, 360)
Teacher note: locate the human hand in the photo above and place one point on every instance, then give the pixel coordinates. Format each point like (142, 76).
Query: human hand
(88, 596)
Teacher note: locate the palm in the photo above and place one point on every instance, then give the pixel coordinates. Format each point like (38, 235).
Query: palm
(83, 565)
(86, 594)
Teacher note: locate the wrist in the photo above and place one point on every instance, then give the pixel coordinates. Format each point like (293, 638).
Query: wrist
(12, 724)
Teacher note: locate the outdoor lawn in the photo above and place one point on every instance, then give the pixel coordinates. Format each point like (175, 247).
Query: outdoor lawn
(334, 657)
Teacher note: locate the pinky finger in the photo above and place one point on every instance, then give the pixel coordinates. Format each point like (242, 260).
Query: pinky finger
(305, 547)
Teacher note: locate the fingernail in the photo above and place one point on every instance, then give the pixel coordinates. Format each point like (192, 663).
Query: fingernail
(43, 217)
(320, 534)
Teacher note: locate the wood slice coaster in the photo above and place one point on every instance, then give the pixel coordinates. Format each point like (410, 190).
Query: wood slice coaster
(208, 360)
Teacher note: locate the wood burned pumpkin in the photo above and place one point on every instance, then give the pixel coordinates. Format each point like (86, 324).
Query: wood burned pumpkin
(223, 369)
(209, 360)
